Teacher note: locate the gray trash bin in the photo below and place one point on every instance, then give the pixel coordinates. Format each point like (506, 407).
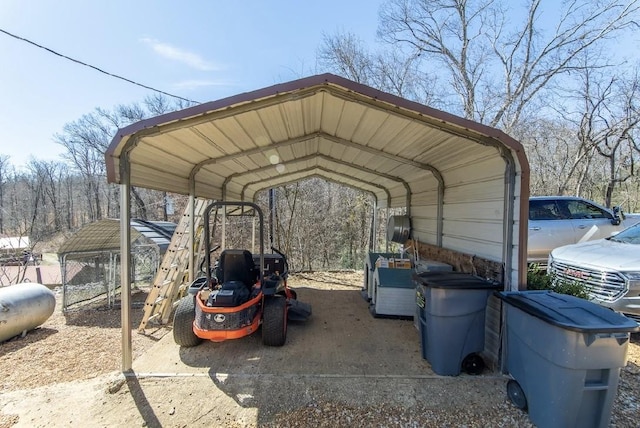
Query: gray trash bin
(423, 266)
(452, 320)
(565, 355)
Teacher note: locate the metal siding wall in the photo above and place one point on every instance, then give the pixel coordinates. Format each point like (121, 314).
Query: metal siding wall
(491, 189)
(474, 205)
(420, 200)
(487, 244)
(424, 208)
(424, 228)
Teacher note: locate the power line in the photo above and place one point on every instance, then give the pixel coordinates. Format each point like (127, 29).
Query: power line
(95, 68)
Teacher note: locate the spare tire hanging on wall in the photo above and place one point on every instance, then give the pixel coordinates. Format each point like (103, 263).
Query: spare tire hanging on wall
(398, 228)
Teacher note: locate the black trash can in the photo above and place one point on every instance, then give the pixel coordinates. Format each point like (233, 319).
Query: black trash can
(564, 354)
(452, 312)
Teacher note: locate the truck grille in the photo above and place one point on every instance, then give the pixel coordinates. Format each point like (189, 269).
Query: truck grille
(602, 285)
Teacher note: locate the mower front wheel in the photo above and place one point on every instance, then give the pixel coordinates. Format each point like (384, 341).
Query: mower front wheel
(183, 319)
(274, 321)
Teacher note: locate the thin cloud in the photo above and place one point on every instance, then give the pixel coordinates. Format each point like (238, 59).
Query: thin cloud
(173, 53)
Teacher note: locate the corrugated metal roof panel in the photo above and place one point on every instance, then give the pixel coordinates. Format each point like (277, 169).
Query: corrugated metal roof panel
(104, 236)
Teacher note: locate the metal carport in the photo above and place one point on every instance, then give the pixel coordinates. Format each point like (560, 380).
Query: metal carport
(465, 185)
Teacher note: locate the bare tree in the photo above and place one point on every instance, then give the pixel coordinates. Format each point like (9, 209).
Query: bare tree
(51, 176)
(323, 225)
(288, 197)
(470, 41)
(348, 56)
(552, 153)
(86, 141)
(590, 148)
(608, 126)
(390, 71)
(4, 165)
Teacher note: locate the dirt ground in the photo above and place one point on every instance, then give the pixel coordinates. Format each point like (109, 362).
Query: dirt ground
(343, 367)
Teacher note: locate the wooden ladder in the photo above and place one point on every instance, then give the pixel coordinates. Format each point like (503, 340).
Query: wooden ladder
(167, 283)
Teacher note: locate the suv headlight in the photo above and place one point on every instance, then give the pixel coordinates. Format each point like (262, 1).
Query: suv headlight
(633, 278)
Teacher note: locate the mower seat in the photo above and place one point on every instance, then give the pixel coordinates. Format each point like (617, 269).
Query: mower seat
(237, 266)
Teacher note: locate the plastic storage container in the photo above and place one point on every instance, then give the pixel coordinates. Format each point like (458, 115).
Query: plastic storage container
(452, 320)
(369, 269)
(394, 293)
(565, 355)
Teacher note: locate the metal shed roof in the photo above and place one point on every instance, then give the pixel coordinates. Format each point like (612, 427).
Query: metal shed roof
(322, 125)
(104, 235)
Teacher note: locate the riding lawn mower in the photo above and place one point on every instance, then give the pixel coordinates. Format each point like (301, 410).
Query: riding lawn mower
(239, 293)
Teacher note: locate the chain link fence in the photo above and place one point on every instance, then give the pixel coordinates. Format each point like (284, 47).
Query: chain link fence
(94, 278)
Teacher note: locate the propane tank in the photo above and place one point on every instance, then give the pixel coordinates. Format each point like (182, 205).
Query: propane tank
(24, 307)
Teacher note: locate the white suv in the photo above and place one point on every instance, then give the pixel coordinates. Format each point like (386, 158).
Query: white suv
(555, 221)
(609, 269)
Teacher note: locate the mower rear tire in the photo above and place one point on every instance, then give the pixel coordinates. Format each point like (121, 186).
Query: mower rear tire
(183, 319)
(274, 321)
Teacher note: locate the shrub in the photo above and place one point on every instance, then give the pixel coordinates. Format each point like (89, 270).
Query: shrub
(538, 279)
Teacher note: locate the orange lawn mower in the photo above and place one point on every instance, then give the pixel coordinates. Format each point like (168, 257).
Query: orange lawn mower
(239, 293)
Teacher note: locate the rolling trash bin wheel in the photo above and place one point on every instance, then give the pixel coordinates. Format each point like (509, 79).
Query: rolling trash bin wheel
(516, 395)
(473, 364)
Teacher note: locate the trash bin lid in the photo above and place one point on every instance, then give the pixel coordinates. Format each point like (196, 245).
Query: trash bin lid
(455, 280)
(569, 312)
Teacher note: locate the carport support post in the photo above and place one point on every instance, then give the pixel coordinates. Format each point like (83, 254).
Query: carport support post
(125, 267)
(373, 245)
(192, 233)
(386, 248)
(224, 227)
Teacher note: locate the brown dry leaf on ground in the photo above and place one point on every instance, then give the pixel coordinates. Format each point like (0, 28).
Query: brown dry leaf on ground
(81, 344)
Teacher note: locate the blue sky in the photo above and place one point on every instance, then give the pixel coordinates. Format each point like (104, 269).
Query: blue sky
(200, 50)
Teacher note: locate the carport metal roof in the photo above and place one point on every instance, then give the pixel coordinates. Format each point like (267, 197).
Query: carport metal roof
(324, 126)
